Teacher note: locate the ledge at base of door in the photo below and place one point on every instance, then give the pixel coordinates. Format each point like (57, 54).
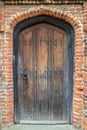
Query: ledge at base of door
(40, 127)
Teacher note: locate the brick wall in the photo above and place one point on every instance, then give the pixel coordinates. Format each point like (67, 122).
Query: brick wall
(85, 69)
(11, 15)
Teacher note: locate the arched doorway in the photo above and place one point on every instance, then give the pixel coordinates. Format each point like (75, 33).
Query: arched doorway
(43, 71)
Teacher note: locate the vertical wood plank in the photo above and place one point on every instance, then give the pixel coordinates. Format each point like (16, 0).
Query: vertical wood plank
(58, 74)
(41, 71)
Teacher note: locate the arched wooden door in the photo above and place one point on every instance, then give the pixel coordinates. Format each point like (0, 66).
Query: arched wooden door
(43, 71)
(42, 74)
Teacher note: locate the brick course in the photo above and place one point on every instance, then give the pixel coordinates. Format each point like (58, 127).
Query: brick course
(11, 15)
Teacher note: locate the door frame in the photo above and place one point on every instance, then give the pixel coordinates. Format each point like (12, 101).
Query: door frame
(70, 33)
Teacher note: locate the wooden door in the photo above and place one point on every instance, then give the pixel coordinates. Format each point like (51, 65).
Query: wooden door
(42, 74)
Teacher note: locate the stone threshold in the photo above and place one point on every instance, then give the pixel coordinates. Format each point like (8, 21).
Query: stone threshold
(40, 127)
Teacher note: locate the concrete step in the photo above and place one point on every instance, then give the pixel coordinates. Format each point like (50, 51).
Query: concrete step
(40, 127)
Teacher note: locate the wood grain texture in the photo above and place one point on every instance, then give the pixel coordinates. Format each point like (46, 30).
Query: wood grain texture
(42, 53)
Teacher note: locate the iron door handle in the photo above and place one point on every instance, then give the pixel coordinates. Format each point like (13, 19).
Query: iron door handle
(25, 75)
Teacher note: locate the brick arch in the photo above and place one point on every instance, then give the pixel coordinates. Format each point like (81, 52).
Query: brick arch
(45, 10)
(79, 48)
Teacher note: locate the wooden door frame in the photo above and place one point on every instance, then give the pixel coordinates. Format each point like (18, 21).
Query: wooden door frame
(60, 24)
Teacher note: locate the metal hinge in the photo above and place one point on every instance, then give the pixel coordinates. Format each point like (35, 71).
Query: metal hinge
(13, 58)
